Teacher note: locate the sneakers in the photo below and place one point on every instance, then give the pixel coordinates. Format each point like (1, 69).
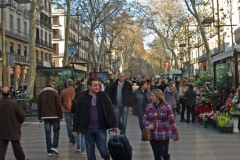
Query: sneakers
(50, 154)
(55, 150)
(83, 153)
(78, 150)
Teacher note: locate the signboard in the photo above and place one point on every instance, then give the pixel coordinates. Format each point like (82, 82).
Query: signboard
(46, 64)
(81, 68)
(165, 64)
(101, 75)
(72, 53)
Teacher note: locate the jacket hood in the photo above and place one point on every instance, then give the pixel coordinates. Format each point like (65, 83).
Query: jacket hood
(48, 89)
(171, 90)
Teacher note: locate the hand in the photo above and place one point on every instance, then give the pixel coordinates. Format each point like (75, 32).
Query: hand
(74, 134)
(114, 129)
(151, 127)
(40, 121)
(130, 108)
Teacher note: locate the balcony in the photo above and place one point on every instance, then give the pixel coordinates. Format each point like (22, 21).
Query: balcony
(20, 10)
(83, 47)
(16, 34)
(56, 53)
(13, 5)
(20, 59)
(72, 39)
(202, 57)
(83, 59)
(73, 28)
(26, 13)
(56, 23)
(57, 37)
(43, 43)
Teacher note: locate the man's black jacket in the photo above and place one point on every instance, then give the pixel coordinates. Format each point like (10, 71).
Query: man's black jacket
(127, 94)
(105, 112)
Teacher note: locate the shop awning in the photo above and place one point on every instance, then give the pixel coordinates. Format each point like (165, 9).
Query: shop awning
(223, 55)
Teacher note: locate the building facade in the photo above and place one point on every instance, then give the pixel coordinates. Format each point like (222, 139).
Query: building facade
(17, 39)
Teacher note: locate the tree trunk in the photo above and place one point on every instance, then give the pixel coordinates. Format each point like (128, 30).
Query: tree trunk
(31, 45)
(65, 56)
(209, 58)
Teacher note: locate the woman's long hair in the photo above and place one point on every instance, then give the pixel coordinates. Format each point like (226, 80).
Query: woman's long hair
(182, 83)
(159, 94)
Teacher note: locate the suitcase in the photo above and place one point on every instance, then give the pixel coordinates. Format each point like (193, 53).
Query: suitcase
(119, 147)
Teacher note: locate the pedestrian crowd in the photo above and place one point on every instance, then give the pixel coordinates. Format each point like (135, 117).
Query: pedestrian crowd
(89, 113)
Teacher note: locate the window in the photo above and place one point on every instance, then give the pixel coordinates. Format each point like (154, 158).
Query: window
(56, 49)
(50, 58)
(36, 54)
(41, 36)
(45, 36)
(25, 27)
(19, 49)
(50, 39)
(46, 57)
(11, 22)
(18, 25)
(56, 63)
(41, 56)
(25, 51)
(11, 47)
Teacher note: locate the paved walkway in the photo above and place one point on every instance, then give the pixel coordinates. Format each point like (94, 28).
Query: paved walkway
(196, 143)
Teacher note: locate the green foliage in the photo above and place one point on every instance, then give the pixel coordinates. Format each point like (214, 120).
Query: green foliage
(202, 80)
(34, 99)
(224, 82)
(64, 78)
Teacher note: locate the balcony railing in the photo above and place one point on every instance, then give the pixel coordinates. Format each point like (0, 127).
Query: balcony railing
(16, 33)
(13, 5)
(26, 13)
(72, 39)
(57, 37)
(43, 43)
(83, 47)
(56, 23)
(73, 28)
(56, 53)
(83, 59)
(20, 59)
(20, 9)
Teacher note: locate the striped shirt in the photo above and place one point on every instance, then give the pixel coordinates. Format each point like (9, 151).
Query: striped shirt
(164, 123)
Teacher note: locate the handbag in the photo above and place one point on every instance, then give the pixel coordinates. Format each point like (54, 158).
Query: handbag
(147, 134)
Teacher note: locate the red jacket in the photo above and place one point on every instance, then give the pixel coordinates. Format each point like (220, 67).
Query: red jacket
(164, 123)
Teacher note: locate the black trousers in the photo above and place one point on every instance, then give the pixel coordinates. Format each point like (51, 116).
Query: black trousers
(160, 149)
(182, 102)
(17, 149)
(191, 109)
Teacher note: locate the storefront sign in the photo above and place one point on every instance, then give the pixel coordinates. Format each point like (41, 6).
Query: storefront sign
(80, 68)
(46, 64)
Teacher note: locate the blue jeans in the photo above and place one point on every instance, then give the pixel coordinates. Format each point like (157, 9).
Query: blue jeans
(121, 111)
(141, 125)
(68, 119)
(100, 138)
(48, 123)
(80, 140)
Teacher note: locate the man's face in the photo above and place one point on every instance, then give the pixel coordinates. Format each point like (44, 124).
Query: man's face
(53, 84)
(94, 87)
(121, 77)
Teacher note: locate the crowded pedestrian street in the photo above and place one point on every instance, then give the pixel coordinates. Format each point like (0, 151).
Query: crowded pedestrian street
(196, 143)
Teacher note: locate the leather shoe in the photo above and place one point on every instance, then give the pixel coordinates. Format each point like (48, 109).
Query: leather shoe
(183, 120)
